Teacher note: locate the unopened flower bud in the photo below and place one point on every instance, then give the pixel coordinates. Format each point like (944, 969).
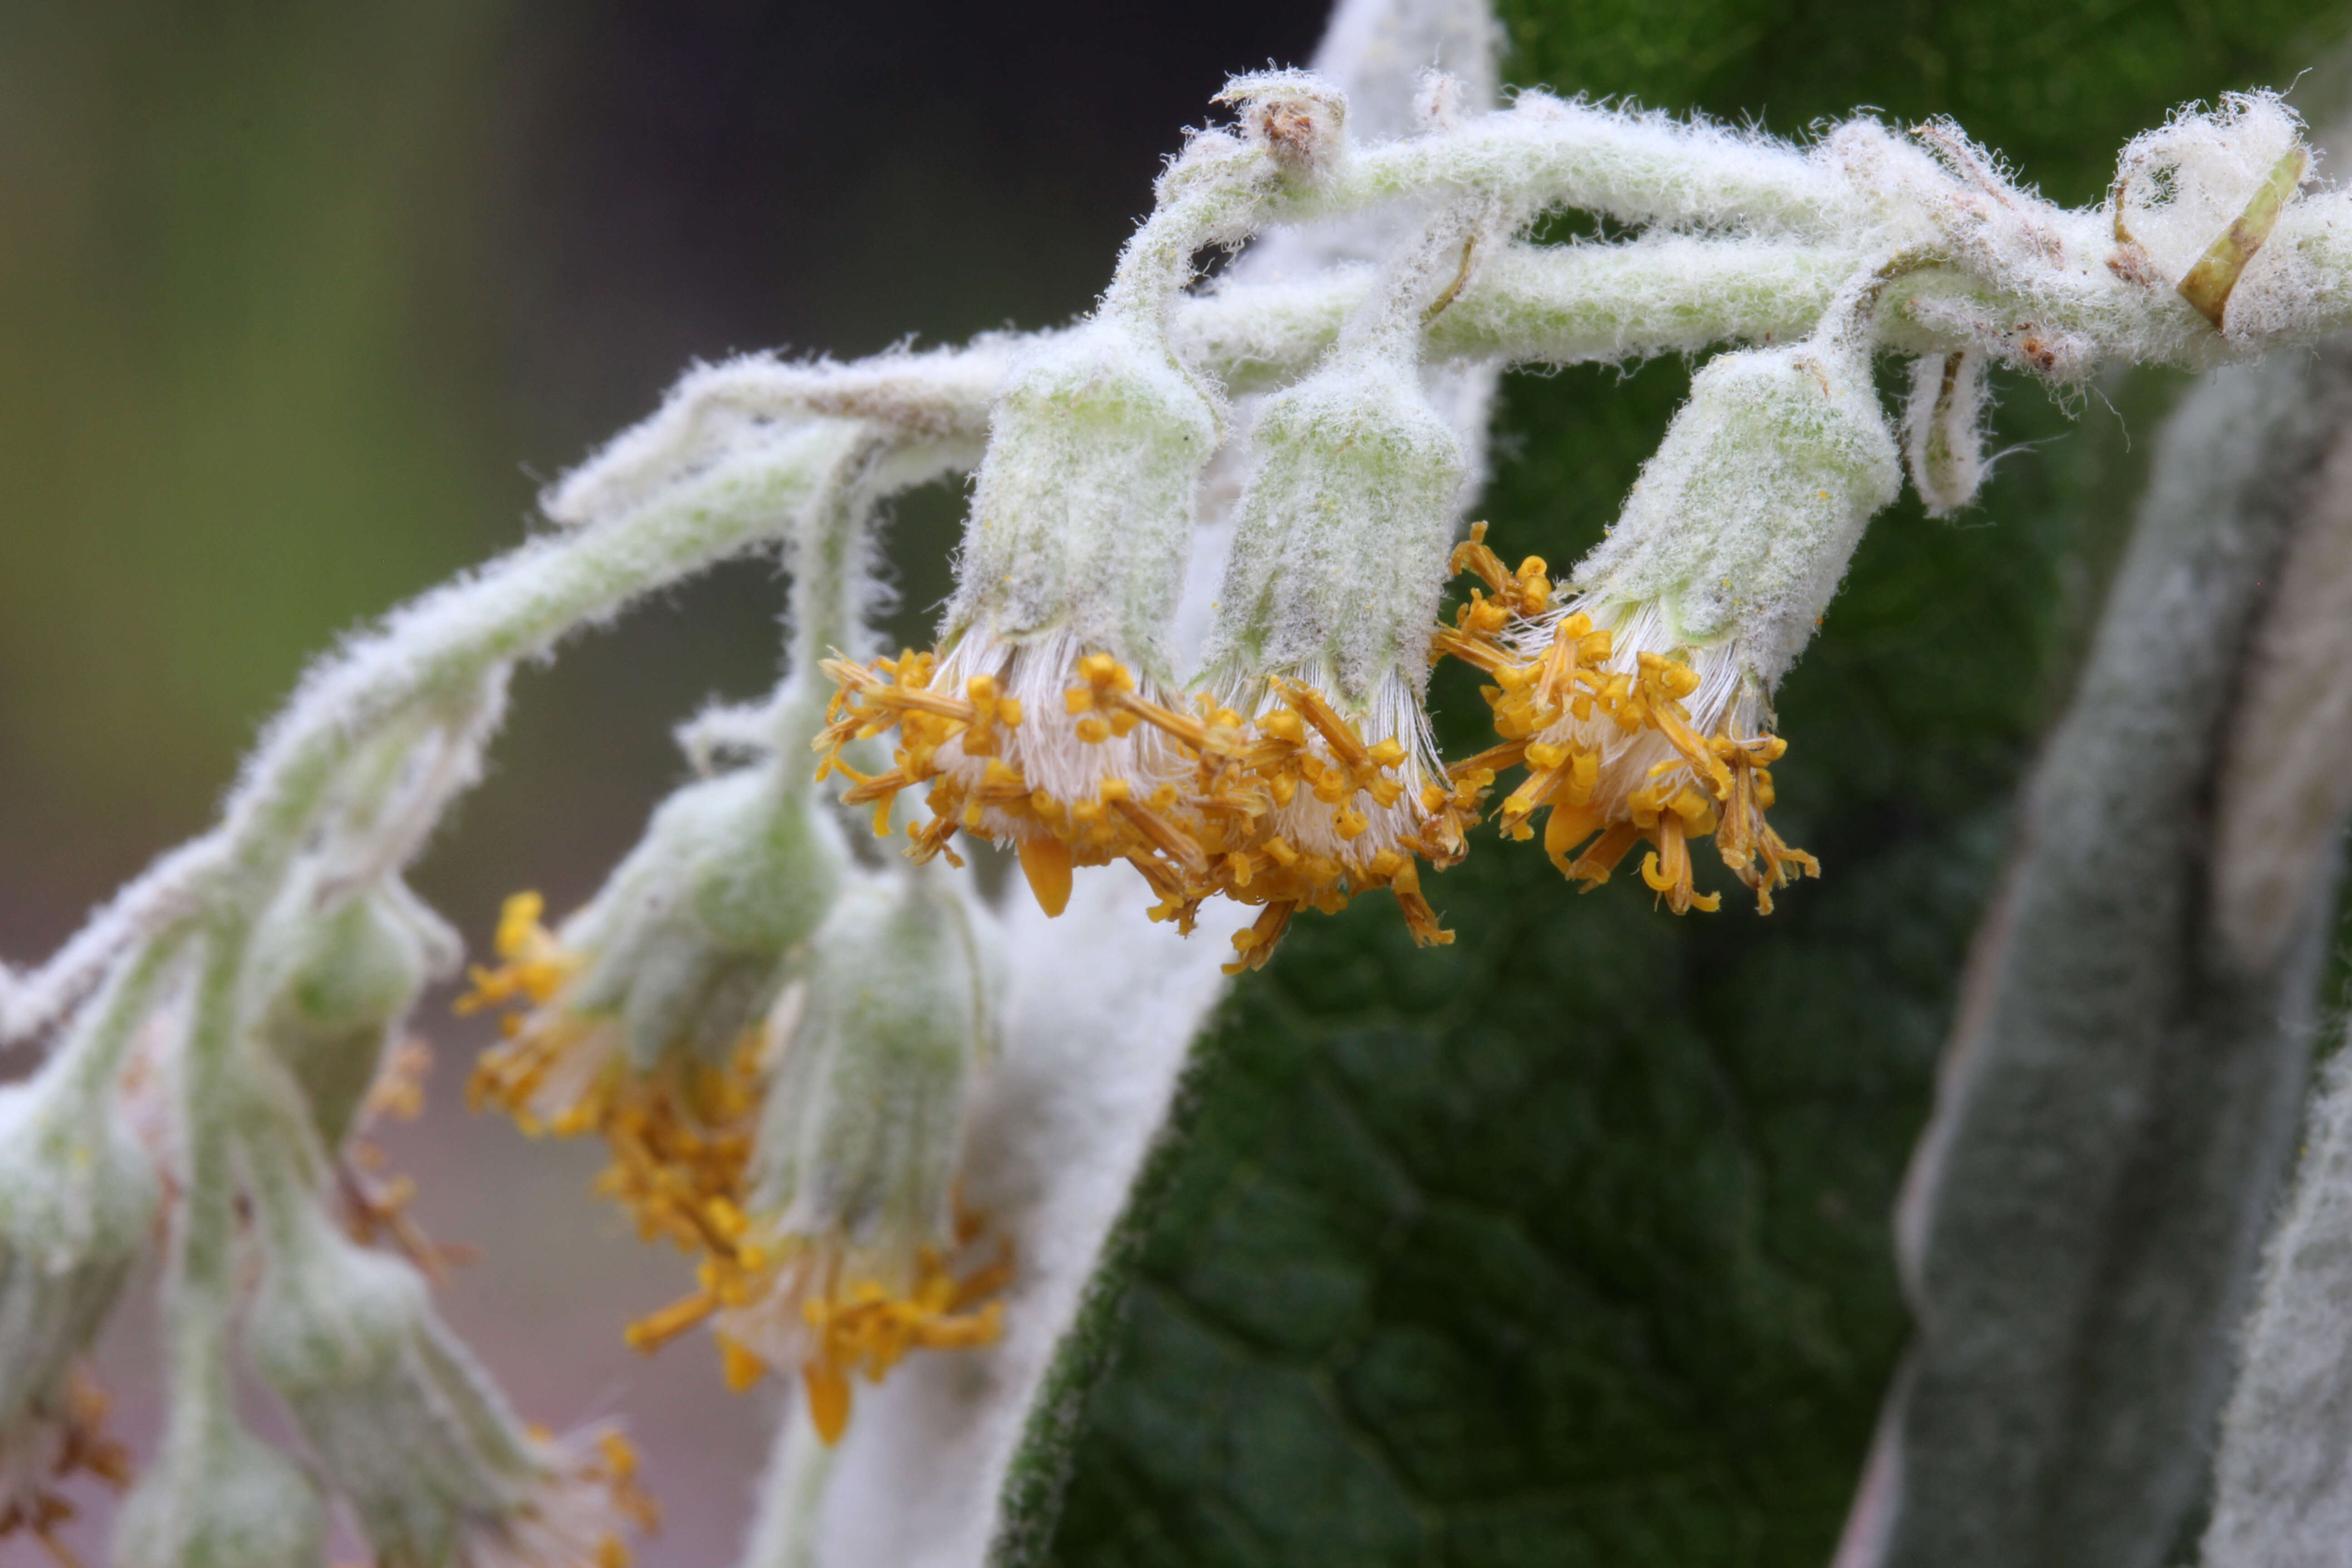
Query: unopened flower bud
(849, 1258)
(335, 974)
(79, 1198)
(220, 1497)
(77, 1193)
(408, 1431)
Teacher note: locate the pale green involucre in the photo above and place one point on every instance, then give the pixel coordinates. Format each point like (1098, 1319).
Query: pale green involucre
(222, 1499)
(1351, 502)
(687, 940)
(403, 1424)
(335, 976)
(875, 1048)
(1082, 512)
(78, 1202)
(1741, 525)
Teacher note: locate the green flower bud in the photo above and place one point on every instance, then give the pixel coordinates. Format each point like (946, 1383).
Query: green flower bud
(78, 1198)
(334, 976)
(219, 1498)
(406, 1429)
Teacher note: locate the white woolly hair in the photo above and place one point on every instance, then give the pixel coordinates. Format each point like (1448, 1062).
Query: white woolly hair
(1039, 672)
(2182, 183)
(1395, 712)
(714, 412)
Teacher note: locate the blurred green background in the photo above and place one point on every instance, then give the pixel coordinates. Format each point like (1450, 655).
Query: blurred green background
(299, 302)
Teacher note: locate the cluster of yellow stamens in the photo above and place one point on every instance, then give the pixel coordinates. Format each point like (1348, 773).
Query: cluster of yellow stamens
(815, 1303)
(1276, 811)
(680, 1138)
(865, 1329)
(680, 1134)
(1211, 829)
(1567, 711)
(785, 1299)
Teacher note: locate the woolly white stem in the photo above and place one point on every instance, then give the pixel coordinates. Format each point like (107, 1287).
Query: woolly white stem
(202, 1287)
(1639, 168)
(93, 1056)
(443, 643)
(784, 1534)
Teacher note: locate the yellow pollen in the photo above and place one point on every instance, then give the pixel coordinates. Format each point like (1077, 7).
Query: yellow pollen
(1202, 822)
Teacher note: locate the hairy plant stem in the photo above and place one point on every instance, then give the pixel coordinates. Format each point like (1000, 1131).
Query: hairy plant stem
(203, 1291)
(441, 648)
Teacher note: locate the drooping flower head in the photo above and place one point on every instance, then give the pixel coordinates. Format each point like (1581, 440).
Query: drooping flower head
(642, 1015)
(1048, 715)
(78, 1201)
(1641, 707)
(1324, 622)
(406, 1430)
(1072, 562)
(856, 1252)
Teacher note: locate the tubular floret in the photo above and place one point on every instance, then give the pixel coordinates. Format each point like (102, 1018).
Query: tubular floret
(408, 1431)
(852, 1250)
